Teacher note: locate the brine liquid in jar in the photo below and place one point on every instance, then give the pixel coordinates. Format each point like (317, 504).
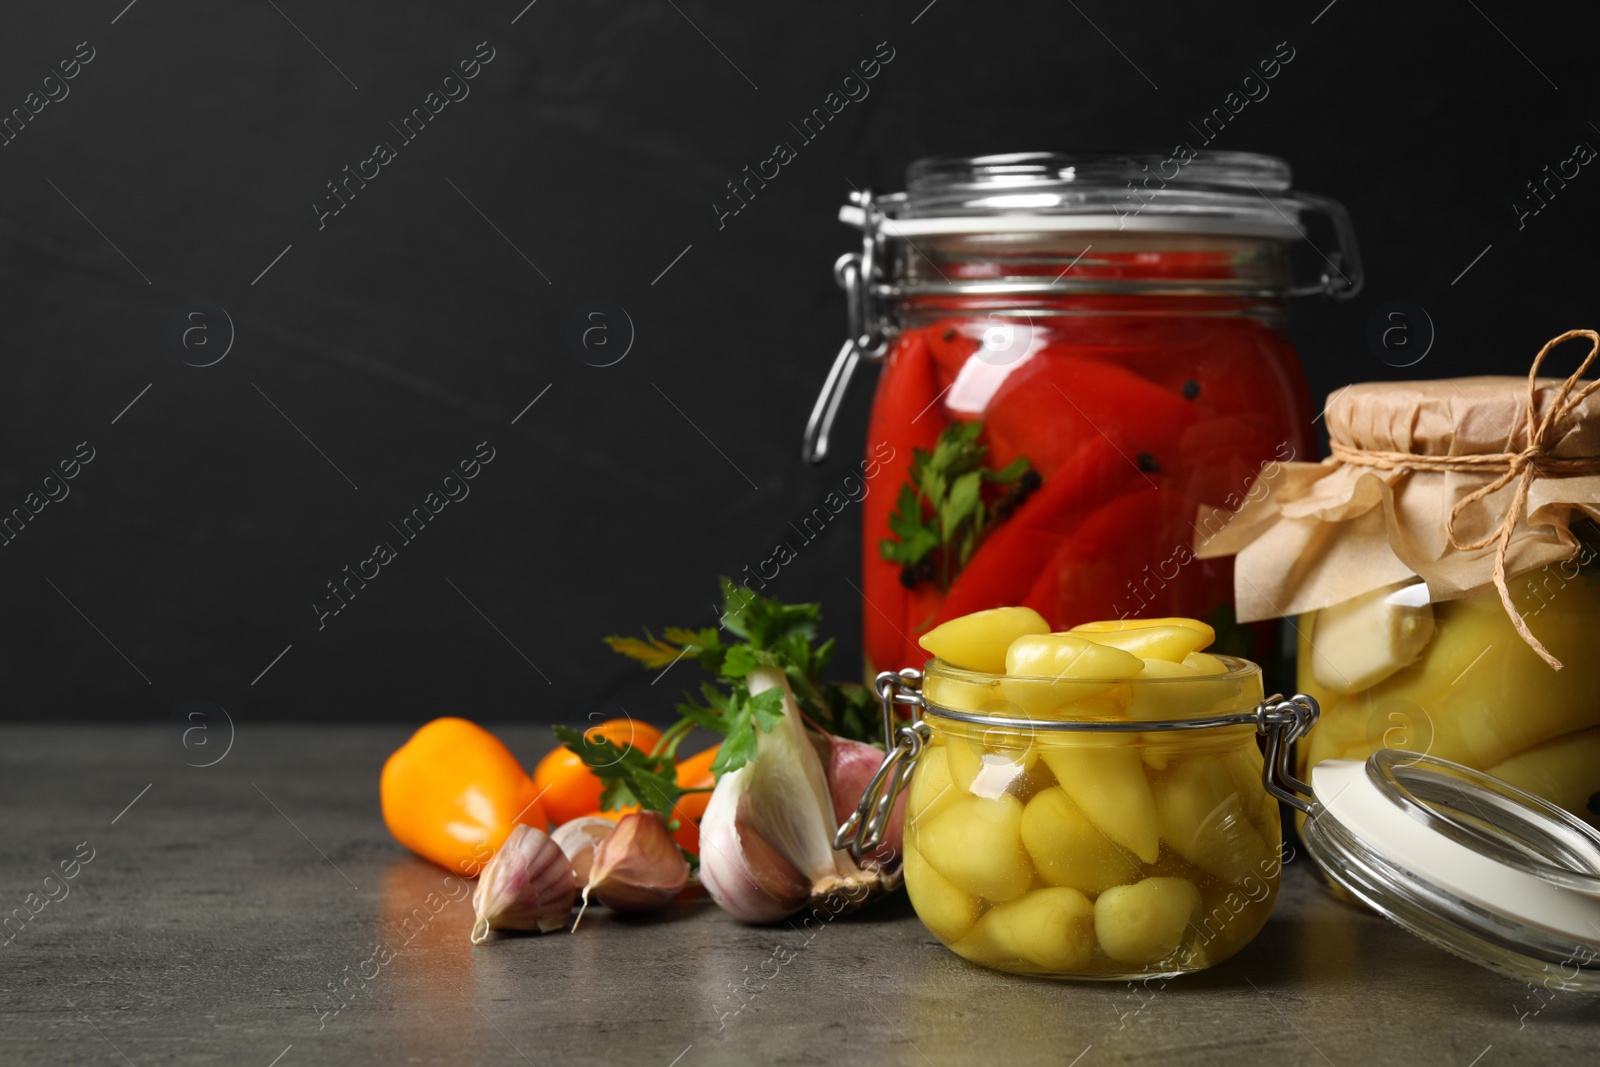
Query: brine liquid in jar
(1017, 859)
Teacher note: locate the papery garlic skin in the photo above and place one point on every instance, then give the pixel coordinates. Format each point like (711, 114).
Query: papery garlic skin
(638, 867)
(745, 875)
(579, 838)
(766, 839)
(528, 885)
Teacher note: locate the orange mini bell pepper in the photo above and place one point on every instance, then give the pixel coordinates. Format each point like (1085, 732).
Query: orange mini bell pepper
(694, 772)
(453, 792)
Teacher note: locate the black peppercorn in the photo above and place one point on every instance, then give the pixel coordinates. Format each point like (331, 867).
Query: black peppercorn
(1191, 389)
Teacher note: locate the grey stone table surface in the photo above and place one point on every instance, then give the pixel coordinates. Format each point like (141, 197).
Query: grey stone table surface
(257, 912)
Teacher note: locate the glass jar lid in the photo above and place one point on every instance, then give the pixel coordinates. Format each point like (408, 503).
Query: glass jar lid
(1472, 864)
(1221, 193)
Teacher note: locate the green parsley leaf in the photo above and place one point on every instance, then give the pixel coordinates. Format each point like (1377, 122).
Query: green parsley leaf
(740, 661)
(712, 715)
(962, 506)
(941, 514)
(761, 712)
(650, 651)
(765, 621)
(627, 775)
(769, 633)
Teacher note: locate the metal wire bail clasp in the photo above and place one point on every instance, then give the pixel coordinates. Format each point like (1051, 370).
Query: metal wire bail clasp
(856, 273)
(1283, 722)
(863, 831)
(1343, 277)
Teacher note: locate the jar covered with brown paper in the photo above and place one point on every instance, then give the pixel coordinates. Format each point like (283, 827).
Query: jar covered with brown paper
(1440, 570)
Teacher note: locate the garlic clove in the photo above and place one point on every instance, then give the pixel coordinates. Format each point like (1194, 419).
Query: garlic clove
(578, 838)
(638, 867)
(744, 873)
(851, 765)
(528, 885)
(785, 789)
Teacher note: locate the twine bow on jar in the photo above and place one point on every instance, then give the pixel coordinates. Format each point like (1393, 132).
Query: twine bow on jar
(1521, 468)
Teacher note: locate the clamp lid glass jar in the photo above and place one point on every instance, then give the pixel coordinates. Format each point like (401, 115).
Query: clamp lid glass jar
(1093, 348)
(1049, 833)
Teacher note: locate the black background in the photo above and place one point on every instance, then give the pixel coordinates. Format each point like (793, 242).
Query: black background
(408, 330)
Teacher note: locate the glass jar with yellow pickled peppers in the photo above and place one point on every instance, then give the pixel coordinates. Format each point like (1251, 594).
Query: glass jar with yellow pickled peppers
(1441, 571)
(1086, 804)
(1078, 351)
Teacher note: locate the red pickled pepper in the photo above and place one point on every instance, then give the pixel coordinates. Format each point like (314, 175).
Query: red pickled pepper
(951, 344)
(906, 416)
(1121, 561)
(1219, 457)
(1050, 408)
(1009, 562)
(1237, 367)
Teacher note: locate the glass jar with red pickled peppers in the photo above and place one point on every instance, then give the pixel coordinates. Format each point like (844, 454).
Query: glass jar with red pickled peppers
(1079, 353)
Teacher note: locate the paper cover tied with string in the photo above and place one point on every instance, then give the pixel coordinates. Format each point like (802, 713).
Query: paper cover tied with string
(1466, 483)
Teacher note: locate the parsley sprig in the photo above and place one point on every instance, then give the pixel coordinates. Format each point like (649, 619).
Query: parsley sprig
(755, 632)
(768, 633)
(941, 514)
(628, 775)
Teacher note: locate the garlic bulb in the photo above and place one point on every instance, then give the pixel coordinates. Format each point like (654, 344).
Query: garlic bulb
(851, 765)
(766, 839)
(578, 838)
(638, 867)
(528, 885)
